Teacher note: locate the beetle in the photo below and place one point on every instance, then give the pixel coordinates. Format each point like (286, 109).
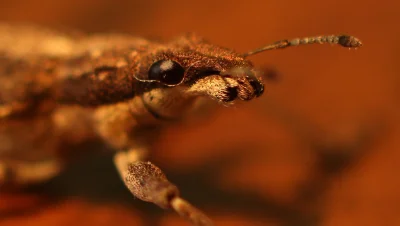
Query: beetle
(58, 90)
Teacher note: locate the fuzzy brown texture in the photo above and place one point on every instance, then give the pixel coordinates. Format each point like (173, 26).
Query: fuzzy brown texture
(336, 89)
(98, 69)
(148, 183)
(68, 88)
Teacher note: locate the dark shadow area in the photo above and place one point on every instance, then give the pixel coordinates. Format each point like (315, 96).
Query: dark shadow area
(94, 178)
(97, 181)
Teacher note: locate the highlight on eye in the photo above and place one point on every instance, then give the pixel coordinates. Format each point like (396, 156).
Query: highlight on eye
(167, 72)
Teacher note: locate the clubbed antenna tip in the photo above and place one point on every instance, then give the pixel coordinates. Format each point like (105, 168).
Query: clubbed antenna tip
(349, 41)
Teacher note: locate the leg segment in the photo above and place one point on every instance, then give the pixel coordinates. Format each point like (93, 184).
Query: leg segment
(20, 173)
(148, 183)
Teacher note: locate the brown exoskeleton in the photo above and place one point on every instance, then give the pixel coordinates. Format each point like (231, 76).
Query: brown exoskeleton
(58, 91)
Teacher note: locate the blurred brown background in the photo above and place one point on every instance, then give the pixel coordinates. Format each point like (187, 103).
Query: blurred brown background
(321, 147)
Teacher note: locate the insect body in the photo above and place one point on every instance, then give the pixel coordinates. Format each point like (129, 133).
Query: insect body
(58, 91)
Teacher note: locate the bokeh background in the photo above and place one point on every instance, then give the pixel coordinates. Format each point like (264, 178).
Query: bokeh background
(321, 147)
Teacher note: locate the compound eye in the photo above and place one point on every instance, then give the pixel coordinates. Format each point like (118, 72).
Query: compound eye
(167, 72)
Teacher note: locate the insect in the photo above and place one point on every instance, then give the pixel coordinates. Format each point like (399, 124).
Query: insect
(60, 90)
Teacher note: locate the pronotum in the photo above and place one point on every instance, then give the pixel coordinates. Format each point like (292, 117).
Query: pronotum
(58, 90)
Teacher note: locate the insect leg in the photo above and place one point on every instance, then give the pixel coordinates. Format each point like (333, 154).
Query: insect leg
(19, 173)
(148, 183)
(7, 110)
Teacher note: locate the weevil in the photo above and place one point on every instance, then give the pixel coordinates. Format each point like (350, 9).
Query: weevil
(58, 90)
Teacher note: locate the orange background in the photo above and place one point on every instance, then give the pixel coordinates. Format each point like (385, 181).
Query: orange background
(321, 147)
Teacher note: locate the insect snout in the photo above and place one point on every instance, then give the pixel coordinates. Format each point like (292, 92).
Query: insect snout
(227, 86)
(244, 83)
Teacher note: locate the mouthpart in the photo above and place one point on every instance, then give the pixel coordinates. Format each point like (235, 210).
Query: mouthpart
(228, 86)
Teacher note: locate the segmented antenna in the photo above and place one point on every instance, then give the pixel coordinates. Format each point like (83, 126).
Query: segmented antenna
(343, 40)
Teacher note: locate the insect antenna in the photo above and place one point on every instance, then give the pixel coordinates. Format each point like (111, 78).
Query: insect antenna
(343, 40)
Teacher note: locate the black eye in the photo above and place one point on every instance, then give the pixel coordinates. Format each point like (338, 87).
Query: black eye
(167, 71)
